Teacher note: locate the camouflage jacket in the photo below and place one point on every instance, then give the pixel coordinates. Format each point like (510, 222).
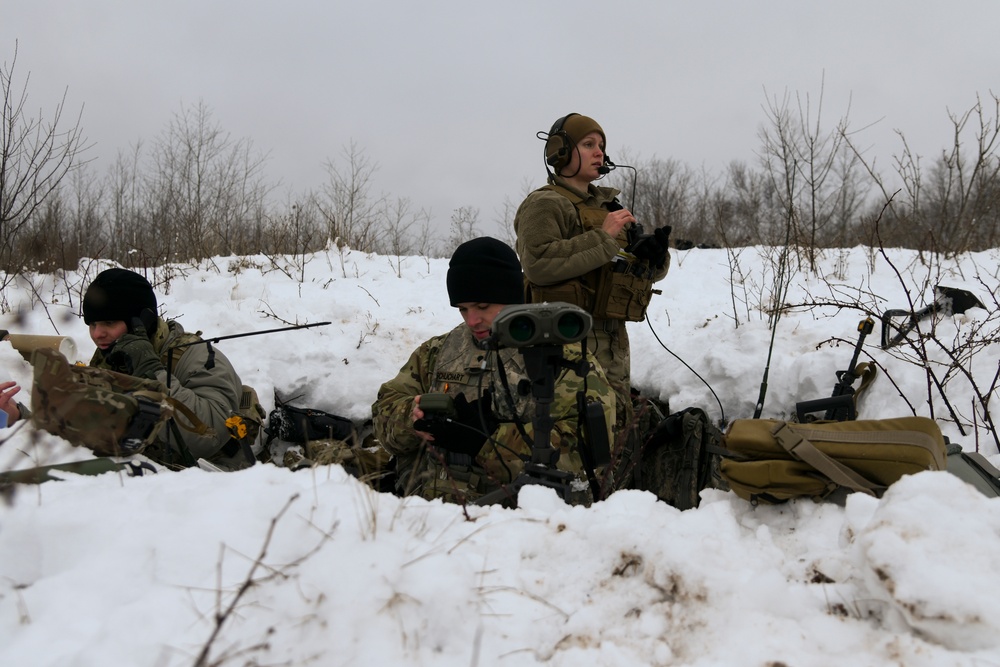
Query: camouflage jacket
(212, 394)
(454, 364)
(552, 242)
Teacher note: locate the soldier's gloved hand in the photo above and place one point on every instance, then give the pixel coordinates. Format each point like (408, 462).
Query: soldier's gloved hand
(662, 236)
(467, 431)
(654, 249)
(144, 325)
(133, 354)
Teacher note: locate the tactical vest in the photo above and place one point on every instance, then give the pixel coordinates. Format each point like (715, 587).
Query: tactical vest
(457, 366)
(618, 290)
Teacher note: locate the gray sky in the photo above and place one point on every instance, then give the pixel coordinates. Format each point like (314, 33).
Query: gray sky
(447, 95)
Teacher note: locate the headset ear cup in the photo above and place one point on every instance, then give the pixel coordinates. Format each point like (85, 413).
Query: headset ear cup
(551, 159)
(559, 158)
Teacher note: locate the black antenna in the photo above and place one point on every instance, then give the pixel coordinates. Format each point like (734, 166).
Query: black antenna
(210, 362)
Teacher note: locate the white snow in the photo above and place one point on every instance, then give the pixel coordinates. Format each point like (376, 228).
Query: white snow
(312, 567)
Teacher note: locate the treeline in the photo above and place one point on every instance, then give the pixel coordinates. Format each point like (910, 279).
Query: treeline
(816, 188)
(192, 193)
(196, 192)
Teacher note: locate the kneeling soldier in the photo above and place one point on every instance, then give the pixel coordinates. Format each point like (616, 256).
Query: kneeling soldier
(489, 439)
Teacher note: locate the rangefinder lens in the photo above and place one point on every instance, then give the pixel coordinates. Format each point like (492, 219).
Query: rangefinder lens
(522, 329)
(570, 326)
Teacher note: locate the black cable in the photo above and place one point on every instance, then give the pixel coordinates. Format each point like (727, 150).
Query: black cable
(723, 410)
(496, 444)
(504, 382)
(611, 166)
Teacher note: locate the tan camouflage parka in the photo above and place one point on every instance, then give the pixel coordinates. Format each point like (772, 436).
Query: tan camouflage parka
(554, 244)
(454, 364)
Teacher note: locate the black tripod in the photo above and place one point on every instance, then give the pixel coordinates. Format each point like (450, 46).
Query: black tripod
(542, 363)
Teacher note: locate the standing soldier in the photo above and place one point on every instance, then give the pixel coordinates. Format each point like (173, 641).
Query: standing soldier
(578, 244)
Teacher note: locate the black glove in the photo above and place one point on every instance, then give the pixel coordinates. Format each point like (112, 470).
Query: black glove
(467, 431)
(662, 235)
(144, 325)
(133, 353)
(655, 247)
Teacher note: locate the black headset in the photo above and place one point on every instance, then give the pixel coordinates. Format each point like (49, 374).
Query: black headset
(561, 157)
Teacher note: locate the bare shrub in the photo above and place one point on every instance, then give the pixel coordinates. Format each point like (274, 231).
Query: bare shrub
(347, 204)
(35, 156)
(464, 227)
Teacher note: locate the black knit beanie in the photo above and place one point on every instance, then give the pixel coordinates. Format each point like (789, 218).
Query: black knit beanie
(117, 294)
(485, 270)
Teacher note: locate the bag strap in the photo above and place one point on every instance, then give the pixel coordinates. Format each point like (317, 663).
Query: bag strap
(174, 425)
(867, 373)
(194, 424)
(801, 449)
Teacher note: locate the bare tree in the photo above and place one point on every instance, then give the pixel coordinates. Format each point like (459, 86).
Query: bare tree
(400, 240)
(963, 186)
(124, 217)
(347, 204)
(205, 184)
(658, 192)
(814, 174)
(755, 206)
(464, 226)
(426, 242)
(78, 230)
(952, 205)
(35, 156)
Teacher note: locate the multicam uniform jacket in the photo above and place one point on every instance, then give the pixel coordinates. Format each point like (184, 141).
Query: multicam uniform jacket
(212, 394)
(454, 364)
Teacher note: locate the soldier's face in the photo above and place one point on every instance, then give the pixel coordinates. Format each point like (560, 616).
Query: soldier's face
(479, 317)
(104, 334)
(587, 158)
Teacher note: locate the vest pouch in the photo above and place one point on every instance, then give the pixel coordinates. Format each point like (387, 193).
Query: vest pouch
(622, 295)
(570, 291)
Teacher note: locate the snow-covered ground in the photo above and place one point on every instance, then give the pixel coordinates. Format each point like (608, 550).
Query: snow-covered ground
(272, 567)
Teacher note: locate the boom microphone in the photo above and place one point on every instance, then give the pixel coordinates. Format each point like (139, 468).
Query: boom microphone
(610, 166)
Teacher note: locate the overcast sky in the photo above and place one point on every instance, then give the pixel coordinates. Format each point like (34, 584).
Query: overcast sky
(446, 95)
